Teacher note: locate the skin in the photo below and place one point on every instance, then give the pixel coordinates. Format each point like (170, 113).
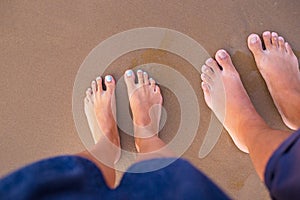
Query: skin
(225, 94)
(277, 64)
(100, 109)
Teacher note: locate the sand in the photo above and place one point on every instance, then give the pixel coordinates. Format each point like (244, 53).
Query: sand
(44, 43)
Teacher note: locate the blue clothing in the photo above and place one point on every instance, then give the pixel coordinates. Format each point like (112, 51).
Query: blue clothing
(282, 174)
(72, 177)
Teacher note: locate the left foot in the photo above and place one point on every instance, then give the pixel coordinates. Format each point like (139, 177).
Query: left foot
(100, 110)
(225, 94)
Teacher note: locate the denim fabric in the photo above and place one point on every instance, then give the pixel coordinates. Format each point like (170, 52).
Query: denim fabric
(282, 174)
(71, 177)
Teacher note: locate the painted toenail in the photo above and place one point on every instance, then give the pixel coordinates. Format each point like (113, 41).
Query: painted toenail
(98, 78)
(253, 39)
(93, 82)
(129, 73)
(108, 78)
(222, 55)
(139, 71)
(145, 73)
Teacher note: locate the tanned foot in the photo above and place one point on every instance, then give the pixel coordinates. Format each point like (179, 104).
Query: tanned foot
(225, 94)
(280, 68)
(100, 110)
(145, 101)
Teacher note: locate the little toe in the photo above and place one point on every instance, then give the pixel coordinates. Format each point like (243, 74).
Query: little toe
(89, 94)
(205, 87)
(110, 83)
(255, 45)
(146, 78)
(267, 39)
(140, 77)
(213, 65)
(129, 78)
(152, 83)
(99, 83)
(281, 43)
(157, 89)
(206, 79)
(224, 60)
(288, 48)
(206, 90)
(274, 39)
(207, 70)
(94, 87)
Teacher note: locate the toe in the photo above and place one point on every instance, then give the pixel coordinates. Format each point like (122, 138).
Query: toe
(129, 79)
(255, 45)
(206, 79)
(206, 90)
(288, 48)
(140, 77)
(267, 39)
(274, 39)
(89, 94)
(110, 83)
(99, 83)
(207, 70)
(213, 65)
(224, 60)
(94, 87)
(281, 43)
(205, 87)
(146, 78)
(157, 89)
(152, 83)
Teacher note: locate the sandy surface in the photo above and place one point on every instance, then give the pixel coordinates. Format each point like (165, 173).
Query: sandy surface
(44, 43)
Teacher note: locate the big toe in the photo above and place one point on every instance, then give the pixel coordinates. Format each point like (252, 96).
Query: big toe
(109, 83)
(255, 45)
(224, 60)
(129, 78)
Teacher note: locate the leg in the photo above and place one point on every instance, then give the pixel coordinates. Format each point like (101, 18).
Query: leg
(225, 95)
(145, 102)
(280, 69)
(100, 109)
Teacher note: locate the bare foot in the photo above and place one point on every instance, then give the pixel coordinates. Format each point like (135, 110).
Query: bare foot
(280, 69)
(225, 94)
(145, 102)
(100, 108)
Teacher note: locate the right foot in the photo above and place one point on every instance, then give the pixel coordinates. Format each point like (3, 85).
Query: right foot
(280, 68)
(225, 94)
(145, 102)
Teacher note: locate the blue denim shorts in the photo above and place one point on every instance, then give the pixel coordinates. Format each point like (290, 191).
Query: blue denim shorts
(72, 177)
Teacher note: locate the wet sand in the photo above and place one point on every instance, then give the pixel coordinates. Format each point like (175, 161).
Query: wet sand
(43, 44)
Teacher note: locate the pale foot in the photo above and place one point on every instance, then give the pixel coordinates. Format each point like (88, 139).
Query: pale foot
(280, 69)
(100, 108)
(225, 94)
(145, 102)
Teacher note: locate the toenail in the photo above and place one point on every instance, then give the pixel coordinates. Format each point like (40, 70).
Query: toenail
(145, 73)
(93, 82)
(222, 55)
(108, 78)
(98, 78)
(253, 39)
(128, 73)
(210, 60)
(139, 71)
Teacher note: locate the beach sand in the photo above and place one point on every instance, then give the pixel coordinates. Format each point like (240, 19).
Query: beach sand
(44, 43)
